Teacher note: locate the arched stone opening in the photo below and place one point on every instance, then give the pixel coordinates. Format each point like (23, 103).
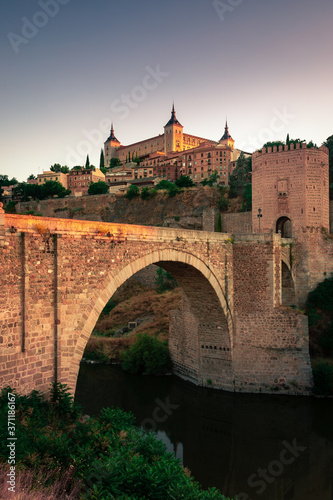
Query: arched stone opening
(287, 285)
(284, 225)
(206, 317)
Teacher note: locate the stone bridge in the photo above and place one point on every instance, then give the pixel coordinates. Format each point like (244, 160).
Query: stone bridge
(233, 331)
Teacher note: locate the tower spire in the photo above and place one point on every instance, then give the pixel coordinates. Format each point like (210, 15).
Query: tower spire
(112, 137)
(173, 120)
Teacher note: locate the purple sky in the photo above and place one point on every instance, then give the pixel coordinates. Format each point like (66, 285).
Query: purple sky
(265, 64)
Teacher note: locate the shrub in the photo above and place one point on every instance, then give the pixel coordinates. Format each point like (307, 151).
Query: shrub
(184, 181)
(132, 192)
(164, 281)
(108, 307)
(10, 207)
(147, 356)
(323, 378)
(164, 184)
(105, 457)
(147, 193)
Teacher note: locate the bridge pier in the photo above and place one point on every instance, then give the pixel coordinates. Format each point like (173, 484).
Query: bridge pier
(232, 333)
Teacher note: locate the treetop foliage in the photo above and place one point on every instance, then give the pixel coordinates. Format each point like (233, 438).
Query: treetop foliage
(58, 168)
(99, 187)
(48, 189)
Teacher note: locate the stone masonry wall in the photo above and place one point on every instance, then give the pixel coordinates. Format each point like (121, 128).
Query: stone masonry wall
(57, 275)
(291, 183)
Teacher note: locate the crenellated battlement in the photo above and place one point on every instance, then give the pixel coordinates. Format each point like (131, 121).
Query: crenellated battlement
(287, 148)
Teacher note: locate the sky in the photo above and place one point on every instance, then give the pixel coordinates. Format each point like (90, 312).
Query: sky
(70, 67)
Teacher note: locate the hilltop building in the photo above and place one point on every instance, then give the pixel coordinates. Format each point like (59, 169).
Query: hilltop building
(79, 180)
(50, 176)
(175, 153)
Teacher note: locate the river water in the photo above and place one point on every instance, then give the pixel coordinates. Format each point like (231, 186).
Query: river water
(257, 446)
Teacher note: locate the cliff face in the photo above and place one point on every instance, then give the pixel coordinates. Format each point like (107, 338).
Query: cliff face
(185, 210)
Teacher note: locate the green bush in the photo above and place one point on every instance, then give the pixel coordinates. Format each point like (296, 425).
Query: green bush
(147, 356)
(147, 193)
(132, 192)
(108, 456)
(111, 304)
(164, 281)
(184, 181)
(164, 184)
(323, 378)
(10, 207)
(99, 187)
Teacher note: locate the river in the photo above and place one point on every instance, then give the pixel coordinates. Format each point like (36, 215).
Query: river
(257, 446)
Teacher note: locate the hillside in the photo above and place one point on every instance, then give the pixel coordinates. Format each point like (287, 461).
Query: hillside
(130, 303)
(185, 210)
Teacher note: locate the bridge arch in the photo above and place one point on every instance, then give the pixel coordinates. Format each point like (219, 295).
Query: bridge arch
(180, 264)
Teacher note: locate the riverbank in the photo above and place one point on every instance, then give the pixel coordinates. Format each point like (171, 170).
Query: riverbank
(61, 454)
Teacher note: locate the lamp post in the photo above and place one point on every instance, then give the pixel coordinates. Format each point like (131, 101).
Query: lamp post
(259, 216)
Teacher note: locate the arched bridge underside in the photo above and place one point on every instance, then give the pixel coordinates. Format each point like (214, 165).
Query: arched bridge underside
(232, 333)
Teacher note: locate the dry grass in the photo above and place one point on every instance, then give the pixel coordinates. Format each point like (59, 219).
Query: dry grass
(30, 486)
(136, 302)
(147, 303)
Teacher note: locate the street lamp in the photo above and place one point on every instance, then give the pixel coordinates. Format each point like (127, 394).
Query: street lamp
(259, 216)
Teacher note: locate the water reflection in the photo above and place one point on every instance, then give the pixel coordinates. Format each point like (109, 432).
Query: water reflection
(257, 446)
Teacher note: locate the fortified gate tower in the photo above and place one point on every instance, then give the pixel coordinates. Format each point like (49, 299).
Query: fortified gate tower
(291, 188)
(291, 193)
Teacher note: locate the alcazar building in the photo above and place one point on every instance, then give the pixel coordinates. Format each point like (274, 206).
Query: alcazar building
(175, 153)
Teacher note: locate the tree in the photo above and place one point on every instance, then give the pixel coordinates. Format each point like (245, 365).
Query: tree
(5, 181)
(87, 165)
(311, 144)
(99, 187)
(240, 176)
(56, 167)
(52, 188)
(223, 201)
(184, 181)
(114, 162)
(213, 178)
(31, 177)
(136, 159)
(101, 160)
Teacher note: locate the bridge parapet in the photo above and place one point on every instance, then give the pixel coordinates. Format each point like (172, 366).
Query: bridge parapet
(58, 274)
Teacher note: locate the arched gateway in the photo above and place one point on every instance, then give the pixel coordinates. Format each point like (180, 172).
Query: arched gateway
(57, 275)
